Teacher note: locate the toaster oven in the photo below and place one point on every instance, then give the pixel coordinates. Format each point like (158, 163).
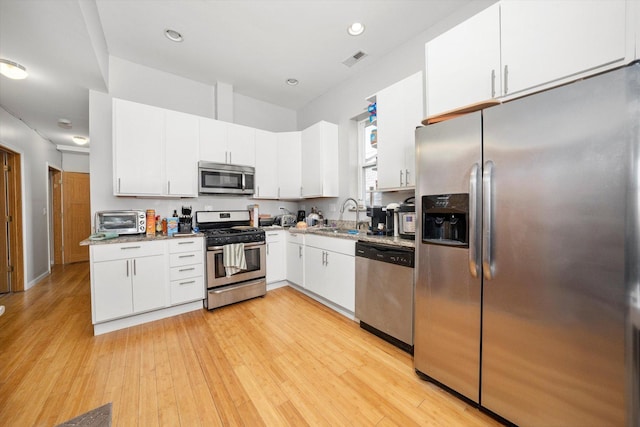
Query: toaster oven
(121, 222)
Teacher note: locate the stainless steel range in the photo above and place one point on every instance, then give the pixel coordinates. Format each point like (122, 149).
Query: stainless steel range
(226, 228)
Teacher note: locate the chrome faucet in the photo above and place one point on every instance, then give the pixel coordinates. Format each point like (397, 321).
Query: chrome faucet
(355, 202)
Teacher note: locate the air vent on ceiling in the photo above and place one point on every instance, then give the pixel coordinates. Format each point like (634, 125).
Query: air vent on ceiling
(354, 58)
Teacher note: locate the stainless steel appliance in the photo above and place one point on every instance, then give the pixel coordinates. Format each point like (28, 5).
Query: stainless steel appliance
(225, 228)
(121, 222)
(222, 178)
(407, 219)
(384, 292)
(524, 308)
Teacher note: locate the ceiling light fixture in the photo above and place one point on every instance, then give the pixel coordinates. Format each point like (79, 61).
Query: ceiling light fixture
(80, 140)
(173, 35)
(292, 82)
(13, 70)
(65, 123)
(356, 29)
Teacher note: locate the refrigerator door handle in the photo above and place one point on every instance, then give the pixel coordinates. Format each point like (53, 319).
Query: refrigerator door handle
(474, 239)
(487, 220)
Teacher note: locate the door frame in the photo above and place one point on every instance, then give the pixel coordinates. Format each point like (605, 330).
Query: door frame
(16, 226)
(50, 217)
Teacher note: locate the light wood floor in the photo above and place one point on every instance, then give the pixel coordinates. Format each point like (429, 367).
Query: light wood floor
(279, 360)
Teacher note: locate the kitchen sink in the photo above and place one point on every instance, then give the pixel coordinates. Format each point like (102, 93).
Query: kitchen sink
(332, 230)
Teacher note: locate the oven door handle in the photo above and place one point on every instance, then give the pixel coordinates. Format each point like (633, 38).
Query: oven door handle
(246, 245)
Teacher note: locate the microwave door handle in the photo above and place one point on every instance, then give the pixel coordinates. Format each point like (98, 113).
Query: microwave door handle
(244, 183)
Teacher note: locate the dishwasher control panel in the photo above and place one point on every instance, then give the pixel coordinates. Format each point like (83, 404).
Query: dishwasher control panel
(386, 253)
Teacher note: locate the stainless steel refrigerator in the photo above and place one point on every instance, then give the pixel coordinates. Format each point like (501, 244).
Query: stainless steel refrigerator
(527, 254)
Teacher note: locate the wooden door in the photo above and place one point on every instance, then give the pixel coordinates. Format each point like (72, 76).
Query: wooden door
(76, 216)
(56, 212)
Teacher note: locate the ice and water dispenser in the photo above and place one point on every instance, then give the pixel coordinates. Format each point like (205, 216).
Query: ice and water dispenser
(445, 218)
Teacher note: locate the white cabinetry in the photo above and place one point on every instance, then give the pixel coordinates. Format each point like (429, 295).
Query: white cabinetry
(463, 64)
(138, 134)
(276, 261)
(320, 160)
(399, 111)
(289, 165)
(577, 37)
(329, 269)
(295, 258)
(516, 47)
(154, 151)
(186, 264)
(181, 154)
(127, 279)
(223, 142)
(267, 165)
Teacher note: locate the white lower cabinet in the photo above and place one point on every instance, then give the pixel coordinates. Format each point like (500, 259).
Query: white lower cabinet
(127, 279)
(329, 269)
(295, 258)
(186, 263)
(276, 261)
(133, 283)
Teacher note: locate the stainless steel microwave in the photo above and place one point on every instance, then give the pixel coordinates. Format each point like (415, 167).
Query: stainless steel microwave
(121, 222)
(221, 178)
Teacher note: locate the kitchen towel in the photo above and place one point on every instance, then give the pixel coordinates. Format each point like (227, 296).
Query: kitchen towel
(233, 258)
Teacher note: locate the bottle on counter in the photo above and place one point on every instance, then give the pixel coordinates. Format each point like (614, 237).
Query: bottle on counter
(158, 225)
(164, 226)
(151, 222)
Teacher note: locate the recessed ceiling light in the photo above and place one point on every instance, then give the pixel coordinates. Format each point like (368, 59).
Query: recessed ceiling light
(80, 140)
(13, 70)
(292, 82)
(356, 29)
(173, 35)
(65, 123)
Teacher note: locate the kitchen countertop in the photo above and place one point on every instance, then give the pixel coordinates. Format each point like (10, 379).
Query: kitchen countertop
(137, 238)
(362, 235)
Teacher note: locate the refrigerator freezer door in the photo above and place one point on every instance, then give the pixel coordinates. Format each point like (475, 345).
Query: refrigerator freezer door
(447, 306)
(553, 341)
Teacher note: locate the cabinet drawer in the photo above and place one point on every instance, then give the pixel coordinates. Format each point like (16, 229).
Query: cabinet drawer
(274, 236)
(187, 290)
(334, 244)
(181, 244)
(186, 258)
(186, 271)
(293, 237)
(110, 252)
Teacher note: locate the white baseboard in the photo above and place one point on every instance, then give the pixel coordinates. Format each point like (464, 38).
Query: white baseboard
(32, 283)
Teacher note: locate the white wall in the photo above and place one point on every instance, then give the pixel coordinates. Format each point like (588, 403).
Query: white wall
(149, 86)
(36, 155)
(75, 162)
(348, 100)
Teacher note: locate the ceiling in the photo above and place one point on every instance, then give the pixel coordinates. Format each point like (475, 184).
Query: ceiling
(253, 45)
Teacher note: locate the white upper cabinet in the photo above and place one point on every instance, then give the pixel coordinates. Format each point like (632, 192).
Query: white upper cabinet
(320, 160)
(154, 151)
(463, 64)
(213, 141)
(241, 145)
(181, 154)
(223, 142)
(289, 165)
(517, 47)
(399, 111)
(545, 41)
(266, 165)
(138, 139)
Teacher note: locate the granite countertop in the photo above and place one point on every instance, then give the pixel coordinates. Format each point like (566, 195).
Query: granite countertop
(132, 238)
(362, 235)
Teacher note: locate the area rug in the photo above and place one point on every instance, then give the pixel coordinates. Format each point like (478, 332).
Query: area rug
(99, 417)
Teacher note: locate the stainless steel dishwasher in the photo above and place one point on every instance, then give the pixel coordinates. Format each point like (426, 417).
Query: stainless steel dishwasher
(385, 292)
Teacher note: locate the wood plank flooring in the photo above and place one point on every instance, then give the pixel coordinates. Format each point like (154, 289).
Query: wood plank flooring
(279, 360)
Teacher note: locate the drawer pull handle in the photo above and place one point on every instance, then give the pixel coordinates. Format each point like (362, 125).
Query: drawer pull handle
(186, 256)
(186, 243)
(130, 247)
(188, 283)
(187, 269)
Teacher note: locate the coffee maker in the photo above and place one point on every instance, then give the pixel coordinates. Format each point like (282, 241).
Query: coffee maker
(378, 215)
